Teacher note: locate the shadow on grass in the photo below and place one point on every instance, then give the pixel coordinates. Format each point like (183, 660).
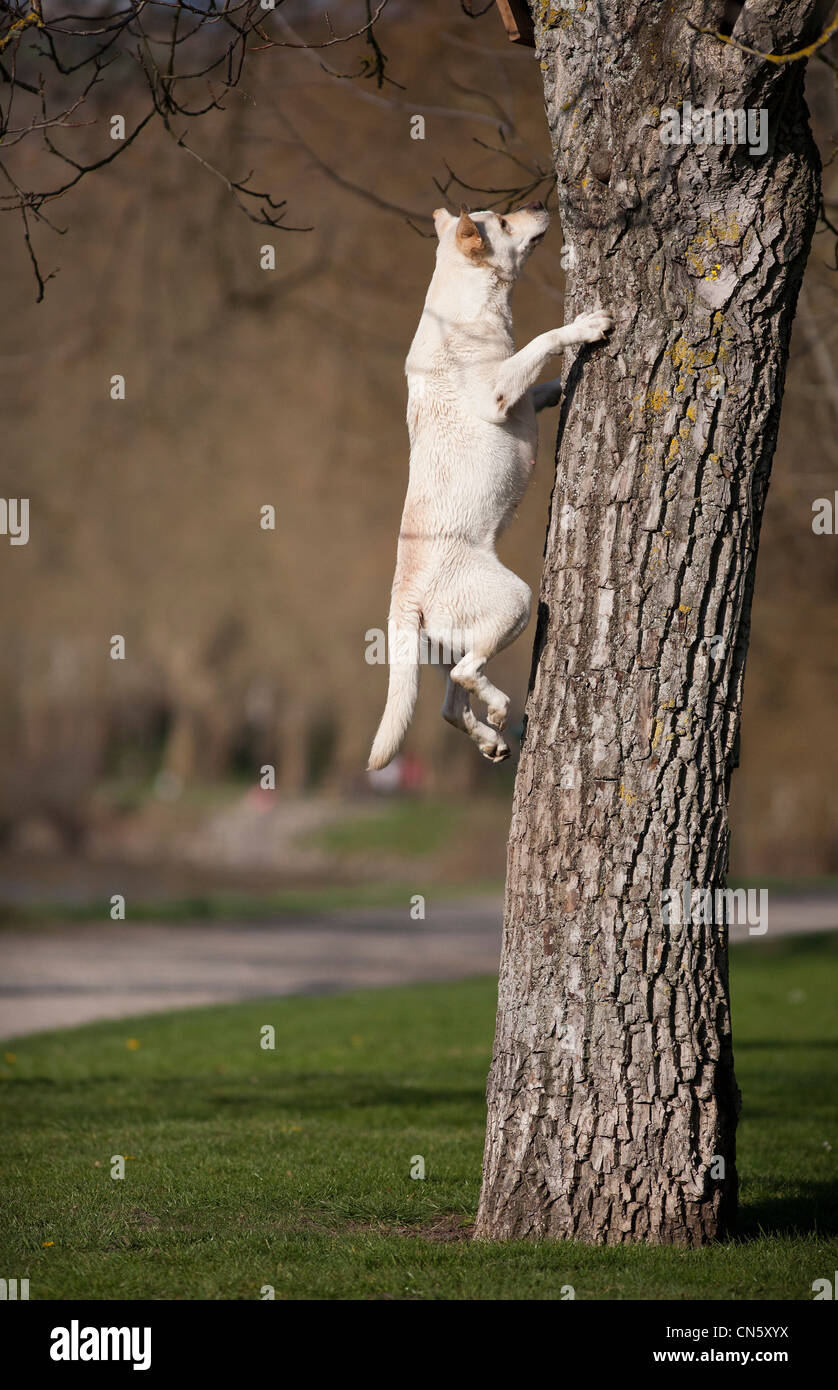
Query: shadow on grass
(809, 1210)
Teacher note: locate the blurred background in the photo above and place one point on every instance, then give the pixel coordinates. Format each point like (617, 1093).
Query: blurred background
(248, 388)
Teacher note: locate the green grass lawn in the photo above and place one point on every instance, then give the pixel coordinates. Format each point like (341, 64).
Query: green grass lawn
(291, 1167)
(411, 827)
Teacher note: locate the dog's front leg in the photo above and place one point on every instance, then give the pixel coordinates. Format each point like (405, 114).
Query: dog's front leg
(516, 374)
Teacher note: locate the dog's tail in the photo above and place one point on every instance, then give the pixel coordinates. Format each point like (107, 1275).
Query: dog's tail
(403, 688)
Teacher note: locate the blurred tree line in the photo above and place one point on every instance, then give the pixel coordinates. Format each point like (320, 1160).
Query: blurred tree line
(248, 387)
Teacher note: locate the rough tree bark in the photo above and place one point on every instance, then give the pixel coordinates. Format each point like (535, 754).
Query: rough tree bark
(612, 1095)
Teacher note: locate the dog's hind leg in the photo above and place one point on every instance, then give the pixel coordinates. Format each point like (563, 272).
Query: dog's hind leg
(488, 740)
(468, 673)
(454, 702)
(457, 710)
(504, 622)
(546, 393)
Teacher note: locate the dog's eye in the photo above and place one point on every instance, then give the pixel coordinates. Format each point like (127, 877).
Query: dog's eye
(504, 225)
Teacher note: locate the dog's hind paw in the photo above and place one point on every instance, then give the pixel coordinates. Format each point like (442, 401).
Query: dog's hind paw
(495, 752)
(498, 715)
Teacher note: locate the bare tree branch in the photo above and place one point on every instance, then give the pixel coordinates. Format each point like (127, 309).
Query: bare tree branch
(58, 67)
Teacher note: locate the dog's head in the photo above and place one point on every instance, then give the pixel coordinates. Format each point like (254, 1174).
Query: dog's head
(496, 241)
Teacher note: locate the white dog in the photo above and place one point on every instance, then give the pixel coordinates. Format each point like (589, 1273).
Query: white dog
(473, 434)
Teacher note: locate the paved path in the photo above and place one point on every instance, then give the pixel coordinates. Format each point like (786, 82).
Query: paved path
(75, 974)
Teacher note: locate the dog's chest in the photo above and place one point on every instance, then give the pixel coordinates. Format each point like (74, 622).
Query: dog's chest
(454, 452)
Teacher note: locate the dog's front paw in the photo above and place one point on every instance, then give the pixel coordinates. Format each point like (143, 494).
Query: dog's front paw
(591, 328)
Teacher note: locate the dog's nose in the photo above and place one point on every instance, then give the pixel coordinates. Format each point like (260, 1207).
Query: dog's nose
(534, 207)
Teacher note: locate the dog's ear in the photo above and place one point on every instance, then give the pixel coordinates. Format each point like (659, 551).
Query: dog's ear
(468, 238)
(442, 220)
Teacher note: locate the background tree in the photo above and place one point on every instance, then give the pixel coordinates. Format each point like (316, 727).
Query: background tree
(237, 647)
(612, 1099)
(162, 63)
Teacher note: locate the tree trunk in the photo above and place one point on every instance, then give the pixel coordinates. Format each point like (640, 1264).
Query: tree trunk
(612, 1098)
